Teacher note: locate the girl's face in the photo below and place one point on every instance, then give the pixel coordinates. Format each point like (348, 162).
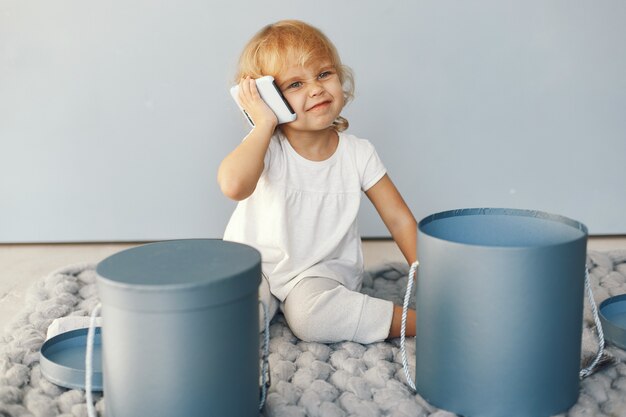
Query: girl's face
(315, 94)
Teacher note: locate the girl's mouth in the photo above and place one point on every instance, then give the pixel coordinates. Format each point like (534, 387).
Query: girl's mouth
(319, 106)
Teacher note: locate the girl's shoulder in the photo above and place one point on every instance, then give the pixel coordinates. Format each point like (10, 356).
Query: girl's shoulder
(356, 144)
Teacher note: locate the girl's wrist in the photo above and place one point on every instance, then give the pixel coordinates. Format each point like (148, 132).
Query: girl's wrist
(265, 127)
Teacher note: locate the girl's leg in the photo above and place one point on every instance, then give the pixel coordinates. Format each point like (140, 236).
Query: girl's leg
(323, 310)
(396, 322)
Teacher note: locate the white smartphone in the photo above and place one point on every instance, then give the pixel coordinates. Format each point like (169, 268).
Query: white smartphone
(272, 96)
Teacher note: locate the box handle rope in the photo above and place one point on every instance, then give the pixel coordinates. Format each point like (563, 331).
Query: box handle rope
(405, 309)
(265, 369)
(91, 410)
(589, 370)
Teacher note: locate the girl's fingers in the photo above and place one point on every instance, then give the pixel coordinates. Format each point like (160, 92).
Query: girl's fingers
(251, 101)
(242, 87)
(252, 91)
(248, 91)
(249, 94)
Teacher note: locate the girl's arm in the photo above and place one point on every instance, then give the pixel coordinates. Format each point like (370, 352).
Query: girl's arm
(400, 221)
(240, 171)
(396, 215)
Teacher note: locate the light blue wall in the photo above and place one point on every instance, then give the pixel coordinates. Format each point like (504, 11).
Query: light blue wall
(114, 115)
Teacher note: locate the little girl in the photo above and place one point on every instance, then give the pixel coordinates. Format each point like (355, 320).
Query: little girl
(299, 188)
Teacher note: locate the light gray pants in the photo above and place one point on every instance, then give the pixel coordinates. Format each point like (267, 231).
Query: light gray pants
(322, 310)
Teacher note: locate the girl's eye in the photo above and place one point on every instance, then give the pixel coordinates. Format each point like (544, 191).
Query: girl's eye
(325, 74)
(294, 85)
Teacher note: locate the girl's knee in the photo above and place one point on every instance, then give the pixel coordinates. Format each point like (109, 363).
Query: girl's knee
(309, 327)
(313, 317)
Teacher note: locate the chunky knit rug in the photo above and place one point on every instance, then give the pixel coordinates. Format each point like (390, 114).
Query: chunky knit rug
(308, 379)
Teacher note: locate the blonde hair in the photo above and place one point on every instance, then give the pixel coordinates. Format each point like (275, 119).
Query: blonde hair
(287, 41)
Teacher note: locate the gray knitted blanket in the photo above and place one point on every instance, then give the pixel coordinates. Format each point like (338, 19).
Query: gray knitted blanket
(308, 379)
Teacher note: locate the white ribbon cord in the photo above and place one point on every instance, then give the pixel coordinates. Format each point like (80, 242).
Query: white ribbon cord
(405, 309)
(265, 374)
(589, 370)
(91, 334)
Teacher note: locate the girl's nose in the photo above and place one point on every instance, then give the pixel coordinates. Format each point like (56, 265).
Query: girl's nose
(316, 88)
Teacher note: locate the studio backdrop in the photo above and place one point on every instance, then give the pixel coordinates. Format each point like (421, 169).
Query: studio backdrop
(115, 115)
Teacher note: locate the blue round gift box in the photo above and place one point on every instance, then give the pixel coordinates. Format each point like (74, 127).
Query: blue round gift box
(499, 311)
(180, 333)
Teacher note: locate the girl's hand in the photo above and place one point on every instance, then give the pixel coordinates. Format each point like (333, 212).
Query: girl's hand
(254, 106)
